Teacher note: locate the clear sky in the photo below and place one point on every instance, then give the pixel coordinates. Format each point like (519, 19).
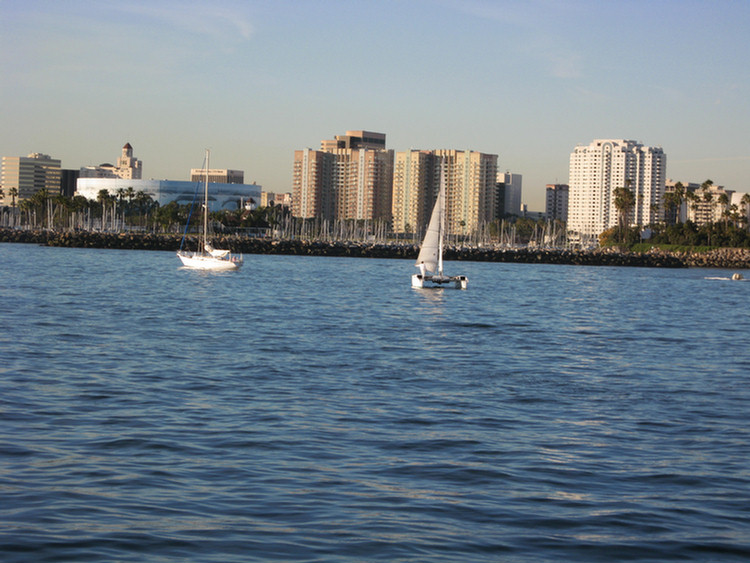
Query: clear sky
(527, 80)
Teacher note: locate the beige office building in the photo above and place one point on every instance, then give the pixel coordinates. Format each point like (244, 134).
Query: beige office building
(470, 189)
(26, 175)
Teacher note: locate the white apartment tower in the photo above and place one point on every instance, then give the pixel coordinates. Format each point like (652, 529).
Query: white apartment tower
(600, 167)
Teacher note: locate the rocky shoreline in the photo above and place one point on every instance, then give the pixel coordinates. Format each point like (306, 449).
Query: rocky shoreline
(728, 258)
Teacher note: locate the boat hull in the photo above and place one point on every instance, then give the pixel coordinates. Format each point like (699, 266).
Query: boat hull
(207, 262)
(427, 281)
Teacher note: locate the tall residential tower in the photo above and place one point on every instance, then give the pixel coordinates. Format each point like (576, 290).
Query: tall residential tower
(350, 177)
(597, 169)
(556, 202)
(470, 192)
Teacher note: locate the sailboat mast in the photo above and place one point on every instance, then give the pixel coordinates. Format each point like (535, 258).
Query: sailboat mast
(205, 203)
(441, 202)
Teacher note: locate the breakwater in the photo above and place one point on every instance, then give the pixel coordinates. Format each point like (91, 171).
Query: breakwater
(730, 258)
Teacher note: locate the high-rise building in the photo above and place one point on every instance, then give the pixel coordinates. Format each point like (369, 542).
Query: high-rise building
(312, 184)
(355, 140)
(511, 191)
(23, 176)
(556, 204)
(416, 179)
(68, 182)
(351, 177)
(597, 169)
(470, 191)
(127, 167)
(470, 194)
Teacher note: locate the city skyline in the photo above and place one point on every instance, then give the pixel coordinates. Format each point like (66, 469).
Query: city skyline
(255, 81)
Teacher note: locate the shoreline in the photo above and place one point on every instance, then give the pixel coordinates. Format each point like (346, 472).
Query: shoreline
(725, 258)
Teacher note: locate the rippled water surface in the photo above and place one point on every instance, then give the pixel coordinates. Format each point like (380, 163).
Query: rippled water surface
(319, 409)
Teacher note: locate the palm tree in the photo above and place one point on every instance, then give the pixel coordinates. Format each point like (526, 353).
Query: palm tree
(13, 193)
(693, 200)
(723, 200)
(624, 203)
(679, 197)
(734, 214)
(103, 197)
(26, 206)
(78, 203)
(745, 202)
(38, 202)
(143, 203)
(61, 210)
(708, 197)
(670, 204)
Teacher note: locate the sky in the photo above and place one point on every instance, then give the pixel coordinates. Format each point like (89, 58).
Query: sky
(253, 81)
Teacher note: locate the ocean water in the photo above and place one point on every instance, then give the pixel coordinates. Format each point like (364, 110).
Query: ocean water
(320, 409)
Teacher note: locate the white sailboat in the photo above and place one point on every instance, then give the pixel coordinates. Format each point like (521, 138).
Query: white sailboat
(430, 259)
(208, 257)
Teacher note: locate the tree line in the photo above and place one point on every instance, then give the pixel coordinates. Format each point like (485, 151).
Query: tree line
(125, 210)
(730, 231)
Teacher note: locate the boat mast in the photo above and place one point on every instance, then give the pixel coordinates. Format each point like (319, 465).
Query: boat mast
(441, 228)
(205, 204)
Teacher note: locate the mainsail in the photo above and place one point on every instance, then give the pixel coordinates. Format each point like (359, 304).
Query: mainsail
(430, 253)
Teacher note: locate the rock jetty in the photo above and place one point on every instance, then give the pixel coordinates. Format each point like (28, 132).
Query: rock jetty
(729, 258)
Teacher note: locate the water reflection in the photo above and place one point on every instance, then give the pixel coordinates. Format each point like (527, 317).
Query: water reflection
(432, 300)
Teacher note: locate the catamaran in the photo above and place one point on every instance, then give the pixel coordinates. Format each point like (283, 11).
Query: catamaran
(207, 257)
(430, 259)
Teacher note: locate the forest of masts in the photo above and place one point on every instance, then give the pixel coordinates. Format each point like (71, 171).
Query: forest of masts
(139, 213)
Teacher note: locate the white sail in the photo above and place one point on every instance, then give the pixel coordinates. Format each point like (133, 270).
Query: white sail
(215, 252)
(430, 257)
(429, 254)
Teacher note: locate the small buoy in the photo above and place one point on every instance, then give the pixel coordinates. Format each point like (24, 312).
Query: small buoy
(737, 276)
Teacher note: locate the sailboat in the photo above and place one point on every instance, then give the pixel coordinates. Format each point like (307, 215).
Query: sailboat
(430, 259)
(208, 257)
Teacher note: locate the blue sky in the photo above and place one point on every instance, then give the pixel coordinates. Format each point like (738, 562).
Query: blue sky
(255, 80)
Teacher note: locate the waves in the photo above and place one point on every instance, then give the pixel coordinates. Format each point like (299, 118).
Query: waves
(287, 413)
